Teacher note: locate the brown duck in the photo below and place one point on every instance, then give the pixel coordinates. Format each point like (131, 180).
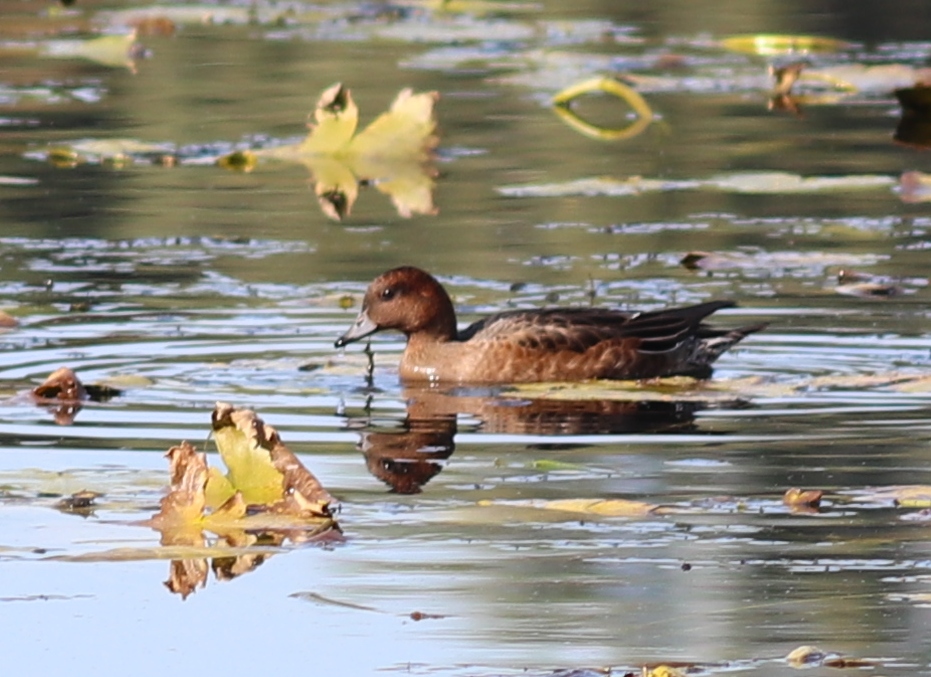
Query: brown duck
(520, 346)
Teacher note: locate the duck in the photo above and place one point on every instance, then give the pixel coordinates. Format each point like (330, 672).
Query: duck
(537, 345)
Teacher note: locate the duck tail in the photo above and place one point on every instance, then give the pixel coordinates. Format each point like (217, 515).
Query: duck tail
(713, 343)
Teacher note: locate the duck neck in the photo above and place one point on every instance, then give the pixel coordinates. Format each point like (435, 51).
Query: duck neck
(441, 326)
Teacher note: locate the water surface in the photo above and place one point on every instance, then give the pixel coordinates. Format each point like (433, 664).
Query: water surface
(189, 284)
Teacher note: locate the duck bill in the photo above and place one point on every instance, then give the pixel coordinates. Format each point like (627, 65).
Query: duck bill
(362, 327)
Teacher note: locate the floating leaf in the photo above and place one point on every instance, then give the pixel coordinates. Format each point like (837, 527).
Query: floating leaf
(912, 384)
(590, 187)
(808, 656)
(869, 289)
(786, 183)
(700, 260)
(392, 153)
(913, 497)
(114, 152)
(796, 497)
(785, 76)
(184, 512)
(663, 671)
(284, 495)
(64, 392)
(80, 503)
(250, 469)
(761, 183)
(261, 467)
(724, 391)
(241, 161)
(337, 117)
(550, 465)
(63, 385)
(805, 655)
(114, 385)
(771, 44)
(644, 114)
(855, 283)
(904, 496)
(108, 50)
(672, 389)
(404, 132)
(183, 508)
(615, 507)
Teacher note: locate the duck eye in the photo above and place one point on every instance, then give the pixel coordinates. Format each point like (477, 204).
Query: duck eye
(387, 293)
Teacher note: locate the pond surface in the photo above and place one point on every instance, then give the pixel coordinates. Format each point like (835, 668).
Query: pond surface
(183, 283)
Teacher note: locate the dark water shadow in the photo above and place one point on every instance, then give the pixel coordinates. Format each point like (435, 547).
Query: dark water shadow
(914, 126)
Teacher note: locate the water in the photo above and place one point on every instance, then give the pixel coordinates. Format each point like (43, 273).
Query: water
(190, 284)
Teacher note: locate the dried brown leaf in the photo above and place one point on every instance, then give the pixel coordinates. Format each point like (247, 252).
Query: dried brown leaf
(805, 655)
(80, 503)
(796, 497)
(63, 385)
(240, 434)
(605, 507)
(869, 289)
(785, 76)
(663, 670)
(184, 505)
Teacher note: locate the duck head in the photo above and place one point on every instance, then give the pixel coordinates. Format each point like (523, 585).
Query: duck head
(407, 299)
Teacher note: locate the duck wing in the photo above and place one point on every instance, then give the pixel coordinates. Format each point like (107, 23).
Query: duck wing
(578, 329)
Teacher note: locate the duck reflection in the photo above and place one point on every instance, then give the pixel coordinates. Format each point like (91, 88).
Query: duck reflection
(408, 457)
